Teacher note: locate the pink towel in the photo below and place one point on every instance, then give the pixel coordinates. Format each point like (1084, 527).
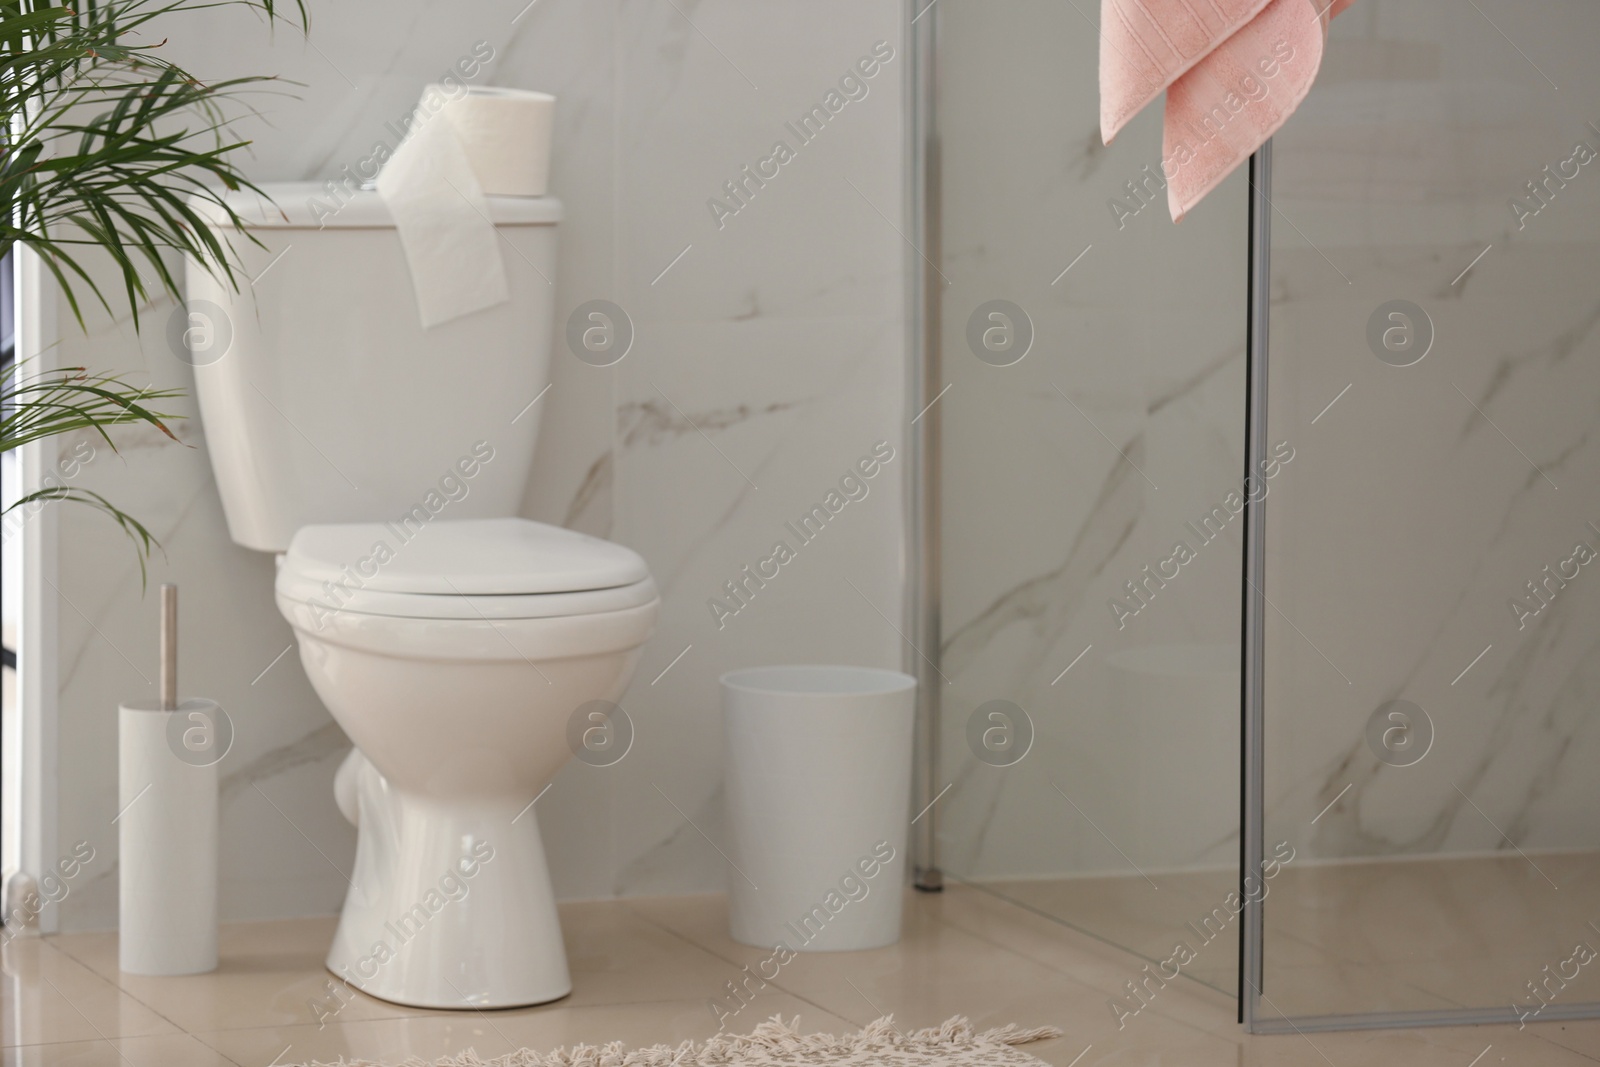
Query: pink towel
(1233, 70)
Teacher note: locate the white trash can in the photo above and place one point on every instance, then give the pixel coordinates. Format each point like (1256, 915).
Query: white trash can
(817, 775)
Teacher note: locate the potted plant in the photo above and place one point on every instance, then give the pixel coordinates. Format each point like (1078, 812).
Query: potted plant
(103, 143)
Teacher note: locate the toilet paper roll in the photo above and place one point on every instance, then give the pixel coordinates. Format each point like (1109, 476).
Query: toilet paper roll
(505, 134)
(167, 838)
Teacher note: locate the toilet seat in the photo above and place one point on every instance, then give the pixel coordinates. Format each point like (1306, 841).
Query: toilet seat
(487, 640)
(451, 606)
(466, 569)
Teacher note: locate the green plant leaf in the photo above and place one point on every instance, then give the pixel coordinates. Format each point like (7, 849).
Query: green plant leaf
(60, 401)
(143, 540)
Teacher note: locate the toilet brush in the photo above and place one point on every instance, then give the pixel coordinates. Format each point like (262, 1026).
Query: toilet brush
(167, 823)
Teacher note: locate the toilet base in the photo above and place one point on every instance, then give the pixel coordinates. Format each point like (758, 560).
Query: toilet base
(450, 906)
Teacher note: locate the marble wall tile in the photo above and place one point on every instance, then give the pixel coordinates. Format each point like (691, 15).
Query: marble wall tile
(769, 360)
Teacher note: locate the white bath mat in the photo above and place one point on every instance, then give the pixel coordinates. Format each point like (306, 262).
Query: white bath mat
(776, 1043)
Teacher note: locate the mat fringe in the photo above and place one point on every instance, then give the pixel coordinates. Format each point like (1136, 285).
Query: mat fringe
(755, 1049)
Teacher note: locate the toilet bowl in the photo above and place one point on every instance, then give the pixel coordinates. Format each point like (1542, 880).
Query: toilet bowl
(455, 667)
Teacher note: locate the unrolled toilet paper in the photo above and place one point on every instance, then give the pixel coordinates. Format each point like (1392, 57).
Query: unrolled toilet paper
(444, 225)
(465, 145)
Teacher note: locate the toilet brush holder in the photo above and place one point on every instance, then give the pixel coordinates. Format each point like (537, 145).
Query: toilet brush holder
(167, 824)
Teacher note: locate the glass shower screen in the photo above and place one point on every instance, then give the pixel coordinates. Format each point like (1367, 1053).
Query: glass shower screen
(1429, 602)
(1090, 414)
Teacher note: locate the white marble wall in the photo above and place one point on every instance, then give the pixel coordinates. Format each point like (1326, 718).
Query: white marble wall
(768, 358)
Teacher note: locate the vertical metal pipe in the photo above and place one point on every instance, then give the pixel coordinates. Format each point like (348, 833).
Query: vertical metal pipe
(923, 387)
(169, 647)
(1252, 778)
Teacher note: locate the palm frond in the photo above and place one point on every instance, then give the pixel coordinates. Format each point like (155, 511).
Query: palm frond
(143, 540)
(106, 145)
(111, 142)
(60, 401)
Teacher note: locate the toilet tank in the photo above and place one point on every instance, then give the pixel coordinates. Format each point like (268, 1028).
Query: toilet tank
(324, 400)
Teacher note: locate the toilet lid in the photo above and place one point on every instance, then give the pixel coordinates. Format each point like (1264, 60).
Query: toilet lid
(465, 557)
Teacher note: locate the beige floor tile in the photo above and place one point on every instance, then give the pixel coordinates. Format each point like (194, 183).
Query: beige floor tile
(166, 1050)
(995, 918)
(646, 971)
(499, 1032)
(975, 979)
(702, 918)
(1064, 947)
(271, 973)
(930, 960)
(1504, 982)
(617, 957)
(47, 996)
(939, 970)
(1349, 937)
(1582, 1037)
(1502, 1046)
(1198, 1004)
(1088, 1022)
(1175, 1047)
(1457, 910)
(1165, 1042)
(1352, 988)
(1127, 911)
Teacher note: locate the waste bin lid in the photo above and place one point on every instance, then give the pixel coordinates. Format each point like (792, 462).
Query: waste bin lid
(819, 680)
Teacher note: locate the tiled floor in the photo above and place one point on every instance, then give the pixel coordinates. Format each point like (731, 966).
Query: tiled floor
(1341, 938)
(643, 971)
